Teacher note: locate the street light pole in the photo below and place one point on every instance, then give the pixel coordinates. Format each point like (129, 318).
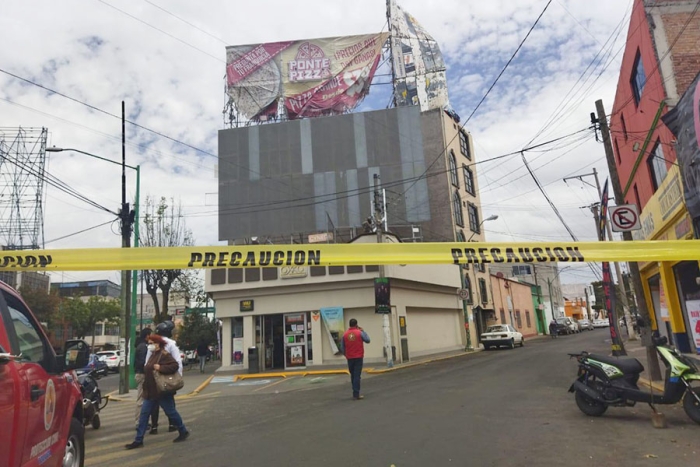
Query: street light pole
(129, 308)
(463, 281)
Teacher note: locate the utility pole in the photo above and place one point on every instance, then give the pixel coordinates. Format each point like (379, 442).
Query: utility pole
(645, 331)
(126, 218)
(378, 218)
(588, 305)
(618, 273)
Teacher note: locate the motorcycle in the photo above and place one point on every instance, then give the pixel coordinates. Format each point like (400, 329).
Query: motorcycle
(92, 399)
(604, 381)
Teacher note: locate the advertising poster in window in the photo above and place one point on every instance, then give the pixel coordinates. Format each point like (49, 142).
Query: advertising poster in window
(312, 77)
(693, 308)
(335, 327)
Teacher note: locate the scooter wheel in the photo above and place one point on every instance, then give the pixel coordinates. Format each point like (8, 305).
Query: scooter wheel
(589, 406)
(692, 406)
(96, 422)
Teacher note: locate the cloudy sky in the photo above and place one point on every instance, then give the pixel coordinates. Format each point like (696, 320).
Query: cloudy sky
(170, 73)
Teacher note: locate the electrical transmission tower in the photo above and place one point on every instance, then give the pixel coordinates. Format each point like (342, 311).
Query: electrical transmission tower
(22, 174)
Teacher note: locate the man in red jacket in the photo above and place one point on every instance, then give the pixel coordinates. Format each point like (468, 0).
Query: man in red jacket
(353, 347)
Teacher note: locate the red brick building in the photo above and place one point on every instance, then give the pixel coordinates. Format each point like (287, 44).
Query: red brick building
(661, 60)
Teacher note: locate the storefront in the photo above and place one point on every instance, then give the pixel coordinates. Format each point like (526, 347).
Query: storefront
(670, 288)
(295, 316)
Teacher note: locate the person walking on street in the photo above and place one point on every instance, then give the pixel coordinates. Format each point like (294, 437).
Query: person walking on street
(165, 330)
(202, 353)
(161, 361)
(139, 364)
(553, 329)
(353, 347)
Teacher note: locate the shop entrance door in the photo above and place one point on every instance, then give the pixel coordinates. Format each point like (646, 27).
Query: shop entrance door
(295, 340)
(274, 342)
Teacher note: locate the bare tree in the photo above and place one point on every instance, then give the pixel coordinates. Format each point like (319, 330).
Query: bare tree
(163, 226)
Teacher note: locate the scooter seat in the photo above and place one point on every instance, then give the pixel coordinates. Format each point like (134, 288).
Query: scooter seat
(628, 365)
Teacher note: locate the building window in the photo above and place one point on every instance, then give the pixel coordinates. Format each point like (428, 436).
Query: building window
(460, 236)
(657, 165)
(518, 319)
(483, 292)
(636, 197)
(112, 330)
(468, 286)
(522, 270)
(98, 329)
(480, 267)
(473, 218)
(624, 126)
(453, 169)
(638, 79)
(457, 206)
(617, 152)
(464, 145)
(527, 319)
(468, 180)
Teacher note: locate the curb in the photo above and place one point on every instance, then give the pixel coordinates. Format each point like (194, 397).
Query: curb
(202, 386)
(290, 374)
(373, 371)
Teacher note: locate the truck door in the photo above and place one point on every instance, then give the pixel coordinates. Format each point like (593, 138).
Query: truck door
(10, 407)
(44, 393)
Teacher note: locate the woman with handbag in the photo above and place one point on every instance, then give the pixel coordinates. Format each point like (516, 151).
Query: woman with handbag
(161, 380)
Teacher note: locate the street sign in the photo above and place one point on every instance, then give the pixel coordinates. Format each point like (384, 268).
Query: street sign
(463, 294)
(625, 218)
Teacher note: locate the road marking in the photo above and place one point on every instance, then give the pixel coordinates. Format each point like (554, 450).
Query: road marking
(269, 385)
(124, 453)
(222, 379)
(256, 382)
(150, 460)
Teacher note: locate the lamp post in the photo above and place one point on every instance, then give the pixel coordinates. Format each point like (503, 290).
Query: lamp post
(462, 279)
(126, 222)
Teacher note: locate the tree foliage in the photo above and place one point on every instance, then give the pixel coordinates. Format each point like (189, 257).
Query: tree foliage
(84, 315)
(163, 226)
(196, 329)
(43, 303)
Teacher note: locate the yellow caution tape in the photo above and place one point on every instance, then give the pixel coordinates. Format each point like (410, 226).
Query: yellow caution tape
(109, 259)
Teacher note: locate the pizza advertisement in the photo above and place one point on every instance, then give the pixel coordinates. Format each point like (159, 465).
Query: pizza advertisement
(310, 78)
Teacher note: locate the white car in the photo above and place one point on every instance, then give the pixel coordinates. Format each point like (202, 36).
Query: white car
(113, 359)
(501, 334)
(601, 323)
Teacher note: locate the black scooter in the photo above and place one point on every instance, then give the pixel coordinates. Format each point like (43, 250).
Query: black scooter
(92, 399)
(612, 381)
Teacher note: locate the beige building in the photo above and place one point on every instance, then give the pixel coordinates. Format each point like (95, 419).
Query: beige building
(284, 312)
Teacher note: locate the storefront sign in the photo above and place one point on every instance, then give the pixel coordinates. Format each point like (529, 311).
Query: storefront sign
(693, 307)
(666, 203)
(247, 305)
(335, 326)
(683, 227)
(293, 272)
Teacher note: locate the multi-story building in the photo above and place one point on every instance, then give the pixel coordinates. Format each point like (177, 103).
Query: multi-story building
(30, 279)
(660, 61)
(305, 180)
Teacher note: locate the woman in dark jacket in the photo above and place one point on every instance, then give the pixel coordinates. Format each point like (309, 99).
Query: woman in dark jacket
(164, 363)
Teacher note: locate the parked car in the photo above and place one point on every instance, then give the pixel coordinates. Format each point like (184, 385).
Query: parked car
(577, 324)
(562, 327)
(570, 326)
(94, 363)
(600, 323)
(113, 359)
(585, 324)
(502, 334)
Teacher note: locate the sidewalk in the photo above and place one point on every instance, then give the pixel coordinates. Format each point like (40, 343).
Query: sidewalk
(634, 349)
(195, 382)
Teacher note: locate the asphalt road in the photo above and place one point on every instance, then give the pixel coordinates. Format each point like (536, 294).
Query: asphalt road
(496, 408)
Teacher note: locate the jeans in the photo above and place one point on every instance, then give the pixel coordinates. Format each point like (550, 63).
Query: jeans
(167, 402)
(202, 362)
(139, 403)
(355, 368)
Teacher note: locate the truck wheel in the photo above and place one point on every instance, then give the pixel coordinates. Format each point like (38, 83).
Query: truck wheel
(75, 445)
(589, 406)
(96, 421)
(691, 405)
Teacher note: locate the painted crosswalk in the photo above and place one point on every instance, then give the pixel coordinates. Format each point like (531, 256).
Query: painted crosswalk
(105, 446)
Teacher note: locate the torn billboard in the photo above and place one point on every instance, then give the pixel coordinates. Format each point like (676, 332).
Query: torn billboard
(309, 78)
(419, 69)
(684, 121)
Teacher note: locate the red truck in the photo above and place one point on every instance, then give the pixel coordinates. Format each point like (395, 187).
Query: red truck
(41, 408)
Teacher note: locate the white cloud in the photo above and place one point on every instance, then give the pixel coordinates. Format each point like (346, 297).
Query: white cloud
(97, 54)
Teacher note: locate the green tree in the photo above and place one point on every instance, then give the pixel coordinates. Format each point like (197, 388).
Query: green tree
(196, 329)
(43, 303)
(600, 297)
(163, 226)
(84, 315)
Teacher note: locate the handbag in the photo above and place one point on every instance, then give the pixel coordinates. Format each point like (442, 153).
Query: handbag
(168, 384)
